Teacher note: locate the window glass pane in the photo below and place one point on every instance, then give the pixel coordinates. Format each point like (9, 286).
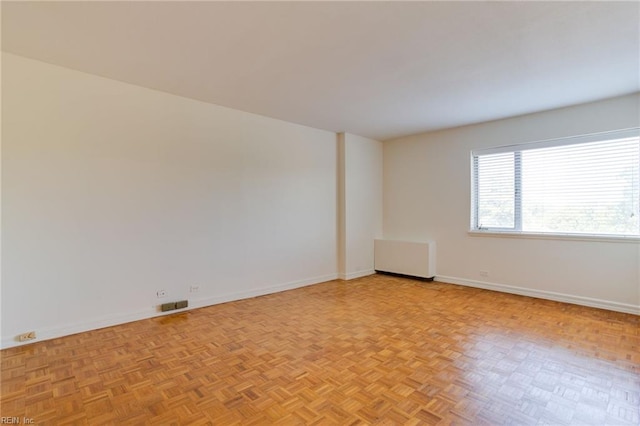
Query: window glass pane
(585, 188)
(495, 190)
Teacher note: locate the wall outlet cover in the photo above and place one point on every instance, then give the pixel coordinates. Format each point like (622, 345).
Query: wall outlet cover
(27, 336)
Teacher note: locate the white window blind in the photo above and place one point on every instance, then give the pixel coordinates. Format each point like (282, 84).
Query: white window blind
(582, 185)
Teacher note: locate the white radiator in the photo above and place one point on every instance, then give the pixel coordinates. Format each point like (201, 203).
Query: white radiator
(406, 258)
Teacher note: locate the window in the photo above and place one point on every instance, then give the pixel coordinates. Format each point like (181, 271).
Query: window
(581, 185)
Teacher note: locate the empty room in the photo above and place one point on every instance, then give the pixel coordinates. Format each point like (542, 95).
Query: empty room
(341, 213)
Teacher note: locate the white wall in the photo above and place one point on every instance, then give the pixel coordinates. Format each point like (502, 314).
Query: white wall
(360, 160)
(111, 192)
(427, 196)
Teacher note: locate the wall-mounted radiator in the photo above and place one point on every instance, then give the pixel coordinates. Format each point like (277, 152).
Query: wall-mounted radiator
(406, 258)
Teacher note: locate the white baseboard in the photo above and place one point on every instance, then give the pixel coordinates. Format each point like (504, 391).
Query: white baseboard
(542, 294)
(200, 303)
(122, 318)
(354, 275)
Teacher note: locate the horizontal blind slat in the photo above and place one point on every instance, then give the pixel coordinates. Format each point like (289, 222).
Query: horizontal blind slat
(590, 187)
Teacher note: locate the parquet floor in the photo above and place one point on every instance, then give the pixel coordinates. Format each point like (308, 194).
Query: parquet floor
(377, 350)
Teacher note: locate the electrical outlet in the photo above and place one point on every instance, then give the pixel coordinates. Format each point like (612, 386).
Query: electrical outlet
(484, 273)
(27, 336)
(174, 305)
(168, 306)
(161, 293)
(194, 289)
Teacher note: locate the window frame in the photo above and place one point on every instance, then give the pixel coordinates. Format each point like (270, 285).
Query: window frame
(516, 230)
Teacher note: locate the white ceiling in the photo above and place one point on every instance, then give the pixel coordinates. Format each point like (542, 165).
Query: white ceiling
(377, 69)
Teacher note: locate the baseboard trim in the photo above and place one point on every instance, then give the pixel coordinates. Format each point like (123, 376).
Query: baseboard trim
(542, 294)
(230, 297)
(357, 274)
(108, 321)
(120, 318)
(93, 324)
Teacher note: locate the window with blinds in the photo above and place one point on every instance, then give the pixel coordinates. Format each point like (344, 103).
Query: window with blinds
(580, 185)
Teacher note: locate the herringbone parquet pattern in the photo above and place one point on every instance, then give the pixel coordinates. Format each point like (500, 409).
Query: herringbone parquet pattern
(378, 350)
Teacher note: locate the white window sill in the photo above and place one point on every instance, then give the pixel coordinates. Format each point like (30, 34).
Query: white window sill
(552, 236)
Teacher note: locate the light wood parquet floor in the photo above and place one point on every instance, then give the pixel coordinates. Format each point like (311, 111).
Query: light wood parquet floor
(377, 350)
